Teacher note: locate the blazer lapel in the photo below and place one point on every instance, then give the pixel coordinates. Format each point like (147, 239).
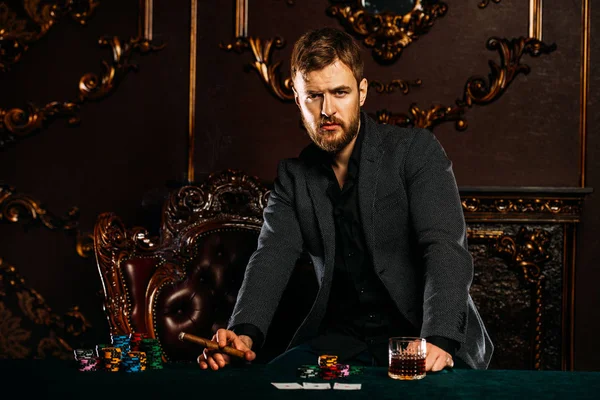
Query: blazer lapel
(317, 187)
(368, 178)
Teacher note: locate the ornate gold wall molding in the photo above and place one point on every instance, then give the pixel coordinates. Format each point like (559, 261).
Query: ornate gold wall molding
(23, 209)
(20, 208)
(262, 49)
(551, 206)
(402, 85)
(95, 87)
(484, 3)
(17, 123)
(562, 205)
(584, 87)
(269, 72)
(191, 149)
(478, 90)
(535, 19)
(57, 330)
(17, 34)
(387, 33)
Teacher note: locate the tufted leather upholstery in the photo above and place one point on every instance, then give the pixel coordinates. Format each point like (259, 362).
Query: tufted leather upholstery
(187, 278)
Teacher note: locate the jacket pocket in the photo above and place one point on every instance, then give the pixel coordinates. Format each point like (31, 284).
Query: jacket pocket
(392, 199)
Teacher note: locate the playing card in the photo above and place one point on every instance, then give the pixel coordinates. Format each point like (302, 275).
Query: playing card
(318, 386)
(284, 385)
(347, 386)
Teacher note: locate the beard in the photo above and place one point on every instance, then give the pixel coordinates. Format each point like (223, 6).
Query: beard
(333, 142)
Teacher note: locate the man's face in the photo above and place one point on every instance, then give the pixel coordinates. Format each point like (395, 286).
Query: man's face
(329, 100)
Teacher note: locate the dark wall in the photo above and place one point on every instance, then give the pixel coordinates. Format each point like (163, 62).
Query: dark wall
(131, 147)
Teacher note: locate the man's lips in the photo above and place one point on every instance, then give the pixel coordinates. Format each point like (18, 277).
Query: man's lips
(329, 127)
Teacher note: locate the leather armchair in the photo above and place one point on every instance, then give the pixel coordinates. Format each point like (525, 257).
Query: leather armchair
(187, 278)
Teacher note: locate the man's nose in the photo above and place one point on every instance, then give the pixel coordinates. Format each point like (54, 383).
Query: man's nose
(328, 108)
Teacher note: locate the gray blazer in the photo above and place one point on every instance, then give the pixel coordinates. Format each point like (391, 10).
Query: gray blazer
(414, 228)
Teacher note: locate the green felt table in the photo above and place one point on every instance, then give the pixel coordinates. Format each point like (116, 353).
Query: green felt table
(61, 379)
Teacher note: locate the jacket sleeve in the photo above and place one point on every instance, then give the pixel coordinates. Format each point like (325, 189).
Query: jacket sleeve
(272, 264)
(438, 221)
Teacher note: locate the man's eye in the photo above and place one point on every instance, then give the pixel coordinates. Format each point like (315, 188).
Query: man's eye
(313, 96)
(341, 93)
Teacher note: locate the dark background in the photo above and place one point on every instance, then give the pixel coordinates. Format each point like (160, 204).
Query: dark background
(130, 148)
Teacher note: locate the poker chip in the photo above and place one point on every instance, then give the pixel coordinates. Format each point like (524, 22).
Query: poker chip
(356, 370)
(153, 353)
(136, 339)
(111, 356)
(86, 359)
(90, 364)
(334, 371)
(308, 371)
(134, 361)
(122, 342)
(84, 353)
(327, 360)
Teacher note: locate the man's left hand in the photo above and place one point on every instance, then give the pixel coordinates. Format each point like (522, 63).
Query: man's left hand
(437, 359)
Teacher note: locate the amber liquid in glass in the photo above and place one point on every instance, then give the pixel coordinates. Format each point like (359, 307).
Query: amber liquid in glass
(407, 368)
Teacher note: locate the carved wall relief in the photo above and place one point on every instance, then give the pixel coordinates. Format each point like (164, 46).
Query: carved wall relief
(262, 49)
(19, 32)
(388, 27)
(518, 278)
(29, 328)
(485, 3)
(402, 85)
(20, 208)
(478, 90)
(16, 123)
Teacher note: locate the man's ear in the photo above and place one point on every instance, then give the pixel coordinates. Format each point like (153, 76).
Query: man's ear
(296, 99)
(363, 87)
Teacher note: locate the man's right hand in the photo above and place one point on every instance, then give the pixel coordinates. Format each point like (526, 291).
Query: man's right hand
(215, 359)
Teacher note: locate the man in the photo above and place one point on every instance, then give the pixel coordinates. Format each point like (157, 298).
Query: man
(377, 209)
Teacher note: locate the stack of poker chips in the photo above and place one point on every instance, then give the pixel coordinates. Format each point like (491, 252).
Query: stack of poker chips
(328, 368)
(136, 339)
(122, 342)
(134, 361)
(335, 371)
(111, 357)
(153, 353)
(86, 359)
(309, 371)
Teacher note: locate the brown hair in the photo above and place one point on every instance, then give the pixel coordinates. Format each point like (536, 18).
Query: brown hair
(318, 48)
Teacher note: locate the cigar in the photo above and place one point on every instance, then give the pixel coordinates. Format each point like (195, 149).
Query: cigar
(188, 337)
